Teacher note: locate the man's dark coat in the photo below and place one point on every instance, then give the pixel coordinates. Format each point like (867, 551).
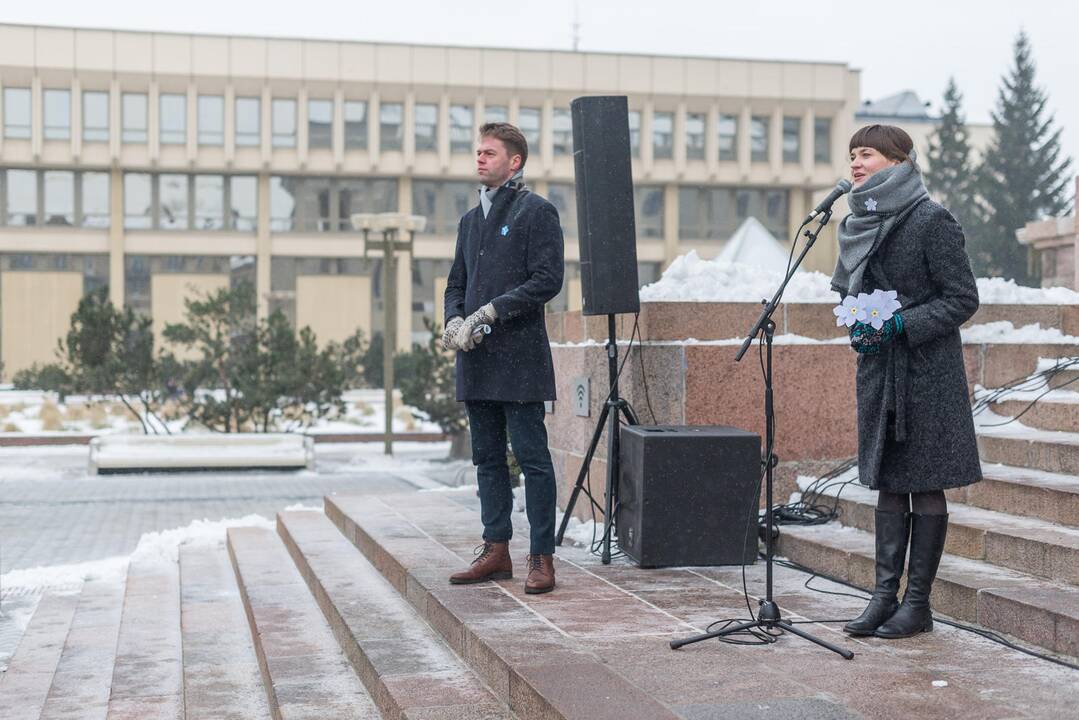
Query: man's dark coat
(513, 259)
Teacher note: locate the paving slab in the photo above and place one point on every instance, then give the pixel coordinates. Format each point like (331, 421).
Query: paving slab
(405, 665)
(305, 674)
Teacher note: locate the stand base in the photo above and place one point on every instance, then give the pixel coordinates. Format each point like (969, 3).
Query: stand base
(767, 619)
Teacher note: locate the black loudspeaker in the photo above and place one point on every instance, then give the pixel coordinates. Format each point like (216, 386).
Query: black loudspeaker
(688, 495)
(605, 226)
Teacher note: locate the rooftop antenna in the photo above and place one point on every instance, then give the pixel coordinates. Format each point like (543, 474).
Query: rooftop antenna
(576, 25)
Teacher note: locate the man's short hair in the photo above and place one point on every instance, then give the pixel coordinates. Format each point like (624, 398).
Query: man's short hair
(511, 137)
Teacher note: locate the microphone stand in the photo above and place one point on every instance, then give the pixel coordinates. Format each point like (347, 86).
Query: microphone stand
(769, 617)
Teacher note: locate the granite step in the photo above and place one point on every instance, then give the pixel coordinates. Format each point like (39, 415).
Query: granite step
(24, 687)
(1055, 410)
(221, 671)
(1036, 611)
(1026, 544)
(1052, 497)
(147, 678)
(80, 688)
(304, 672)
(405, 665)
(1021, 446)
(532, 651)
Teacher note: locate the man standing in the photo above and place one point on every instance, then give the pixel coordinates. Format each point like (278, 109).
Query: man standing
(507, 265)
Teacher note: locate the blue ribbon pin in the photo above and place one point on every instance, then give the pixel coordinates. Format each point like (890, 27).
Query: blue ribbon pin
(505, 230)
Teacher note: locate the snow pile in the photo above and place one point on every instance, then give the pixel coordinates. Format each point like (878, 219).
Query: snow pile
(998, 291)
(1005, 332)
(691, 278)
(155, 547)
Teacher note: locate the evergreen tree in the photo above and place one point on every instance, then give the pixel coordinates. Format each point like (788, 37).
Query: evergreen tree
(950, 176)
(1023, 176)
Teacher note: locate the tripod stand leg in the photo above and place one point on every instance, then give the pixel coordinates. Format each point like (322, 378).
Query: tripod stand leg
(579, 485)
(675, 644)
(847, 654)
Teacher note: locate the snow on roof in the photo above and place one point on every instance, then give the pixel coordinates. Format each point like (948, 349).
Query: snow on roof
(905, 104)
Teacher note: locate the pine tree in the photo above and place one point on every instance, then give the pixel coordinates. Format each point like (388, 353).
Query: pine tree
(950, 176)
(1023, 176)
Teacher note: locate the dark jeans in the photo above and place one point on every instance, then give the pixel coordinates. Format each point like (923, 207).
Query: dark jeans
(488, 423)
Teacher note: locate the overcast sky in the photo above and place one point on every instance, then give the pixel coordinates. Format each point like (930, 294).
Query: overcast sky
(915, 44)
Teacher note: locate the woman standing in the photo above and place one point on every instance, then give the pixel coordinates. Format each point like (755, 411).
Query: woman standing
(915, 429)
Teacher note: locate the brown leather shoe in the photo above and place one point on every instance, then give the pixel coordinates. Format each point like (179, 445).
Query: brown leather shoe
(540, 574)
(492, 563)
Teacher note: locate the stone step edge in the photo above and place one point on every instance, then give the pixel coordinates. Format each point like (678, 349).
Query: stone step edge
(521, 692)
(256, 633)
(964, 525)
(37, 655)
(366, 669)
(1041, 626)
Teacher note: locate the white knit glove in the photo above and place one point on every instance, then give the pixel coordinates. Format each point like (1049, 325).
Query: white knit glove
(484, 316)
(448, 342)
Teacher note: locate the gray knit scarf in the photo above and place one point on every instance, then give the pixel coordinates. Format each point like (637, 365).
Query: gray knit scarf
(876, 208)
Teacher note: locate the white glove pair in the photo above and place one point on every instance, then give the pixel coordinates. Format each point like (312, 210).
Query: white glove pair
(464, 333)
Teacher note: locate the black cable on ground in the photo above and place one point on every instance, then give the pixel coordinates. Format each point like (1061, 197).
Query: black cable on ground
(1037, 381)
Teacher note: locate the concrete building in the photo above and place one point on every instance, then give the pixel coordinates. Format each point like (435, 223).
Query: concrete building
(166, 164)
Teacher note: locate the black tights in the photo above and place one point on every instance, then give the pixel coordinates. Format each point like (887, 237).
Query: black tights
(922, 503)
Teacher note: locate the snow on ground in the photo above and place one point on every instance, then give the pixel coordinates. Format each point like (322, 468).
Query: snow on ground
(155, 547)
(1006, 332)
(691, 278)
(36, 412)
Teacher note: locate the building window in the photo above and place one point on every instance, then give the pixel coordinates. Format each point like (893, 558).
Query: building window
(209, 202)
(243, 203)
(461, 140)
(391, 126)
(57, 114)
(564, 198)
(561, 132)
(211, 120)
(530, 122)
(17, 113)
(426, 127)
(322, 204)
(442, 203)
(648, 207)
(283, 126)
(95, 116)
(709, 213)
(59, 198)
(695, 136)
(728, 138)
(635, 133)
(792, 139)
(496, 113)
(758, 138)
(173, 119)
(248, 121)
(822, 140)
(21, 197)
(95, 200)
(663, 135)
(133, 117)
(172, 201)
(319, 124)
(355, 124)
(138, 201)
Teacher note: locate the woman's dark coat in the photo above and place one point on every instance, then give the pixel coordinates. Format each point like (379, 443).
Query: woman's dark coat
(513, 260)
(915, 429)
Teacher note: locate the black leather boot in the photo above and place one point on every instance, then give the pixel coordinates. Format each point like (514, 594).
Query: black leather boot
(892, 531)
(927, 534)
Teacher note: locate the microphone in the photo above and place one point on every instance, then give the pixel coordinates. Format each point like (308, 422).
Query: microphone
(841, 188)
